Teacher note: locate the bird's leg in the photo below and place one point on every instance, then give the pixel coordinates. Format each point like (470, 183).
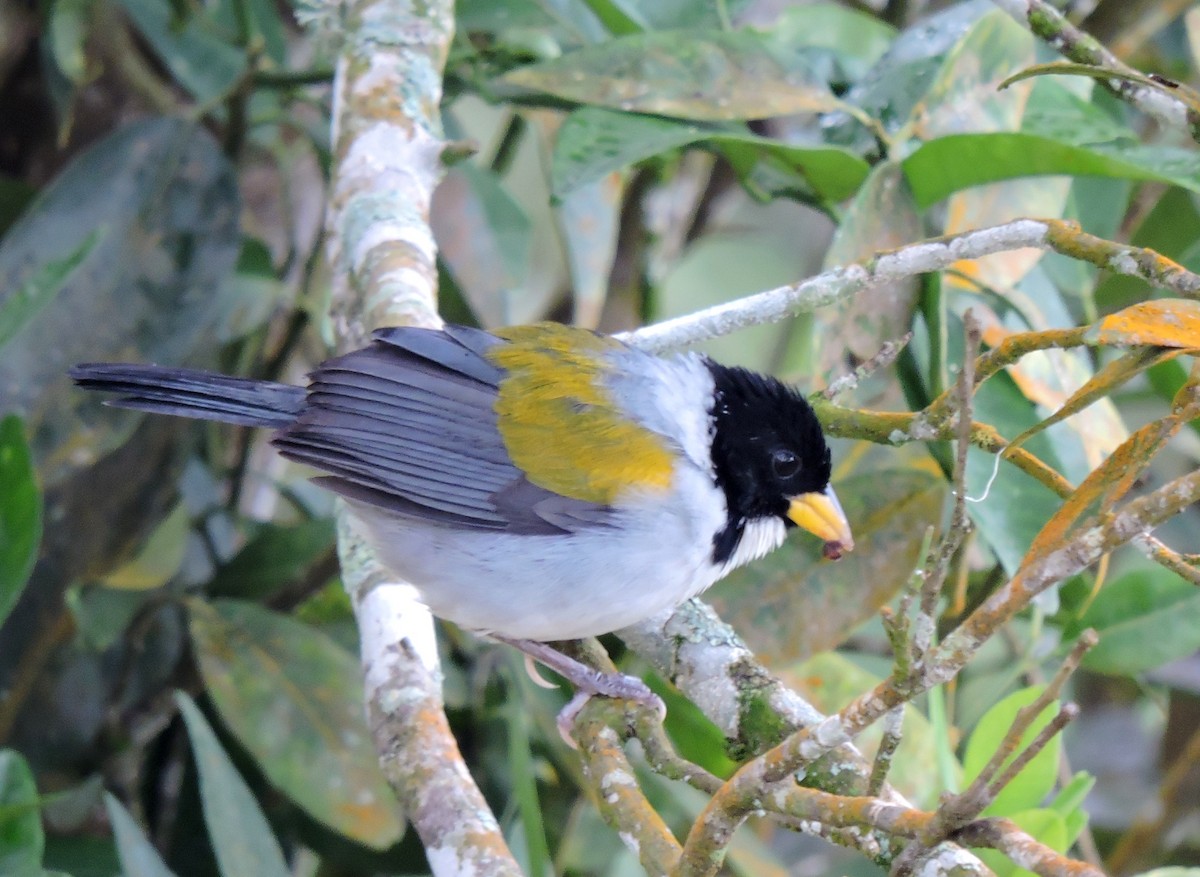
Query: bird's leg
(588, 681)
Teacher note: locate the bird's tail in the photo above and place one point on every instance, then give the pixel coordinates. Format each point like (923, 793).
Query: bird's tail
(193, 393)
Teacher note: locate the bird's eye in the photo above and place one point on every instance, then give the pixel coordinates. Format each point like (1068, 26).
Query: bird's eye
(784, 463)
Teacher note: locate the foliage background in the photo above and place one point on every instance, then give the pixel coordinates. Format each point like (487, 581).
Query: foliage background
(177, 662)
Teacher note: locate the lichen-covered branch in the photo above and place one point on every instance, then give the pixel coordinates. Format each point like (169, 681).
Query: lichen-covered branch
(1052, 26)
(743, 793)
(938, 254)
(387, 147)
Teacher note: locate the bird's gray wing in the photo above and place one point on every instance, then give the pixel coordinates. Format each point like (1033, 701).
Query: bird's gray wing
(408, 424)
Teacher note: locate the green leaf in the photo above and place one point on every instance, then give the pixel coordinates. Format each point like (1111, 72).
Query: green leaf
(20, 513)
(22, 841)
(959, 161)
(39, 290)
(67, 32)
(293, 699)
(139, 858)
(203, 63)
(793, 603)
(1068, 804)
(1012, 507)
(1145, 618)
(1029, 787)
(594, 142)
(703, 75)
(241, 837)
(273, 558)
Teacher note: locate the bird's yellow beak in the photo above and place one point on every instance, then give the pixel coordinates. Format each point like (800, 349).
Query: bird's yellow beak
(821, 514)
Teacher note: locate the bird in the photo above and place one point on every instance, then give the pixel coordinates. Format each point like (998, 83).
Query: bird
(536, 483)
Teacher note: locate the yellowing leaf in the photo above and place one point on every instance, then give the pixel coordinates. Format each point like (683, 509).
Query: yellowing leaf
(1164, 322)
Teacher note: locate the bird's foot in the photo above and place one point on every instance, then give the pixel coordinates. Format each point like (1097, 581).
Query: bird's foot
(588, 682)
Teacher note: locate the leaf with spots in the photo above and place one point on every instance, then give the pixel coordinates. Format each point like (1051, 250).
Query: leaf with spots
(293, 698)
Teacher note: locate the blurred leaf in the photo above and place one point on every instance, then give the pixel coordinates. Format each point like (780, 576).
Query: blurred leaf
(485, 237)
(39, 290)
(880, 217)
(22, 841)
(830, 680)
(1145, 618)
(20, 513)
(203, 63)
(1029, 787)
(293, 699)
(855, 39)
(159, 559)
(1042, 825)
(1108, 379)
(1165, 322)
(958, 161)
(274, 557)
(715, 75)
(594, 142)
(139, 858)
(1171, 872)
(793, 603)
(590, 218)
(162, 203)
(68, 31)
(1068, 804)
(242, 839)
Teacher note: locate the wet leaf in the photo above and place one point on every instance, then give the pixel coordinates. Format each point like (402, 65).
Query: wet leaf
(1038, 777)
(293, 699)
(792, 603)
(139, 858)
(22, 840)
(594, 142)
(698, 75)
(20, 513)
(1165, 322)
(1145, 618)
(242, 839)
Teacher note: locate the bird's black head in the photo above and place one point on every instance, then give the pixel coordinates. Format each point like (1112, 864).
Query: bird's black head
(767, 448)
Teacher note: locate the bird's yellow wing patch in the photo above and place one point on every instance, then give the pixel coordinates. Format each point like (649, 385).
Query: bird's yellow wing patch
(559, 424)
